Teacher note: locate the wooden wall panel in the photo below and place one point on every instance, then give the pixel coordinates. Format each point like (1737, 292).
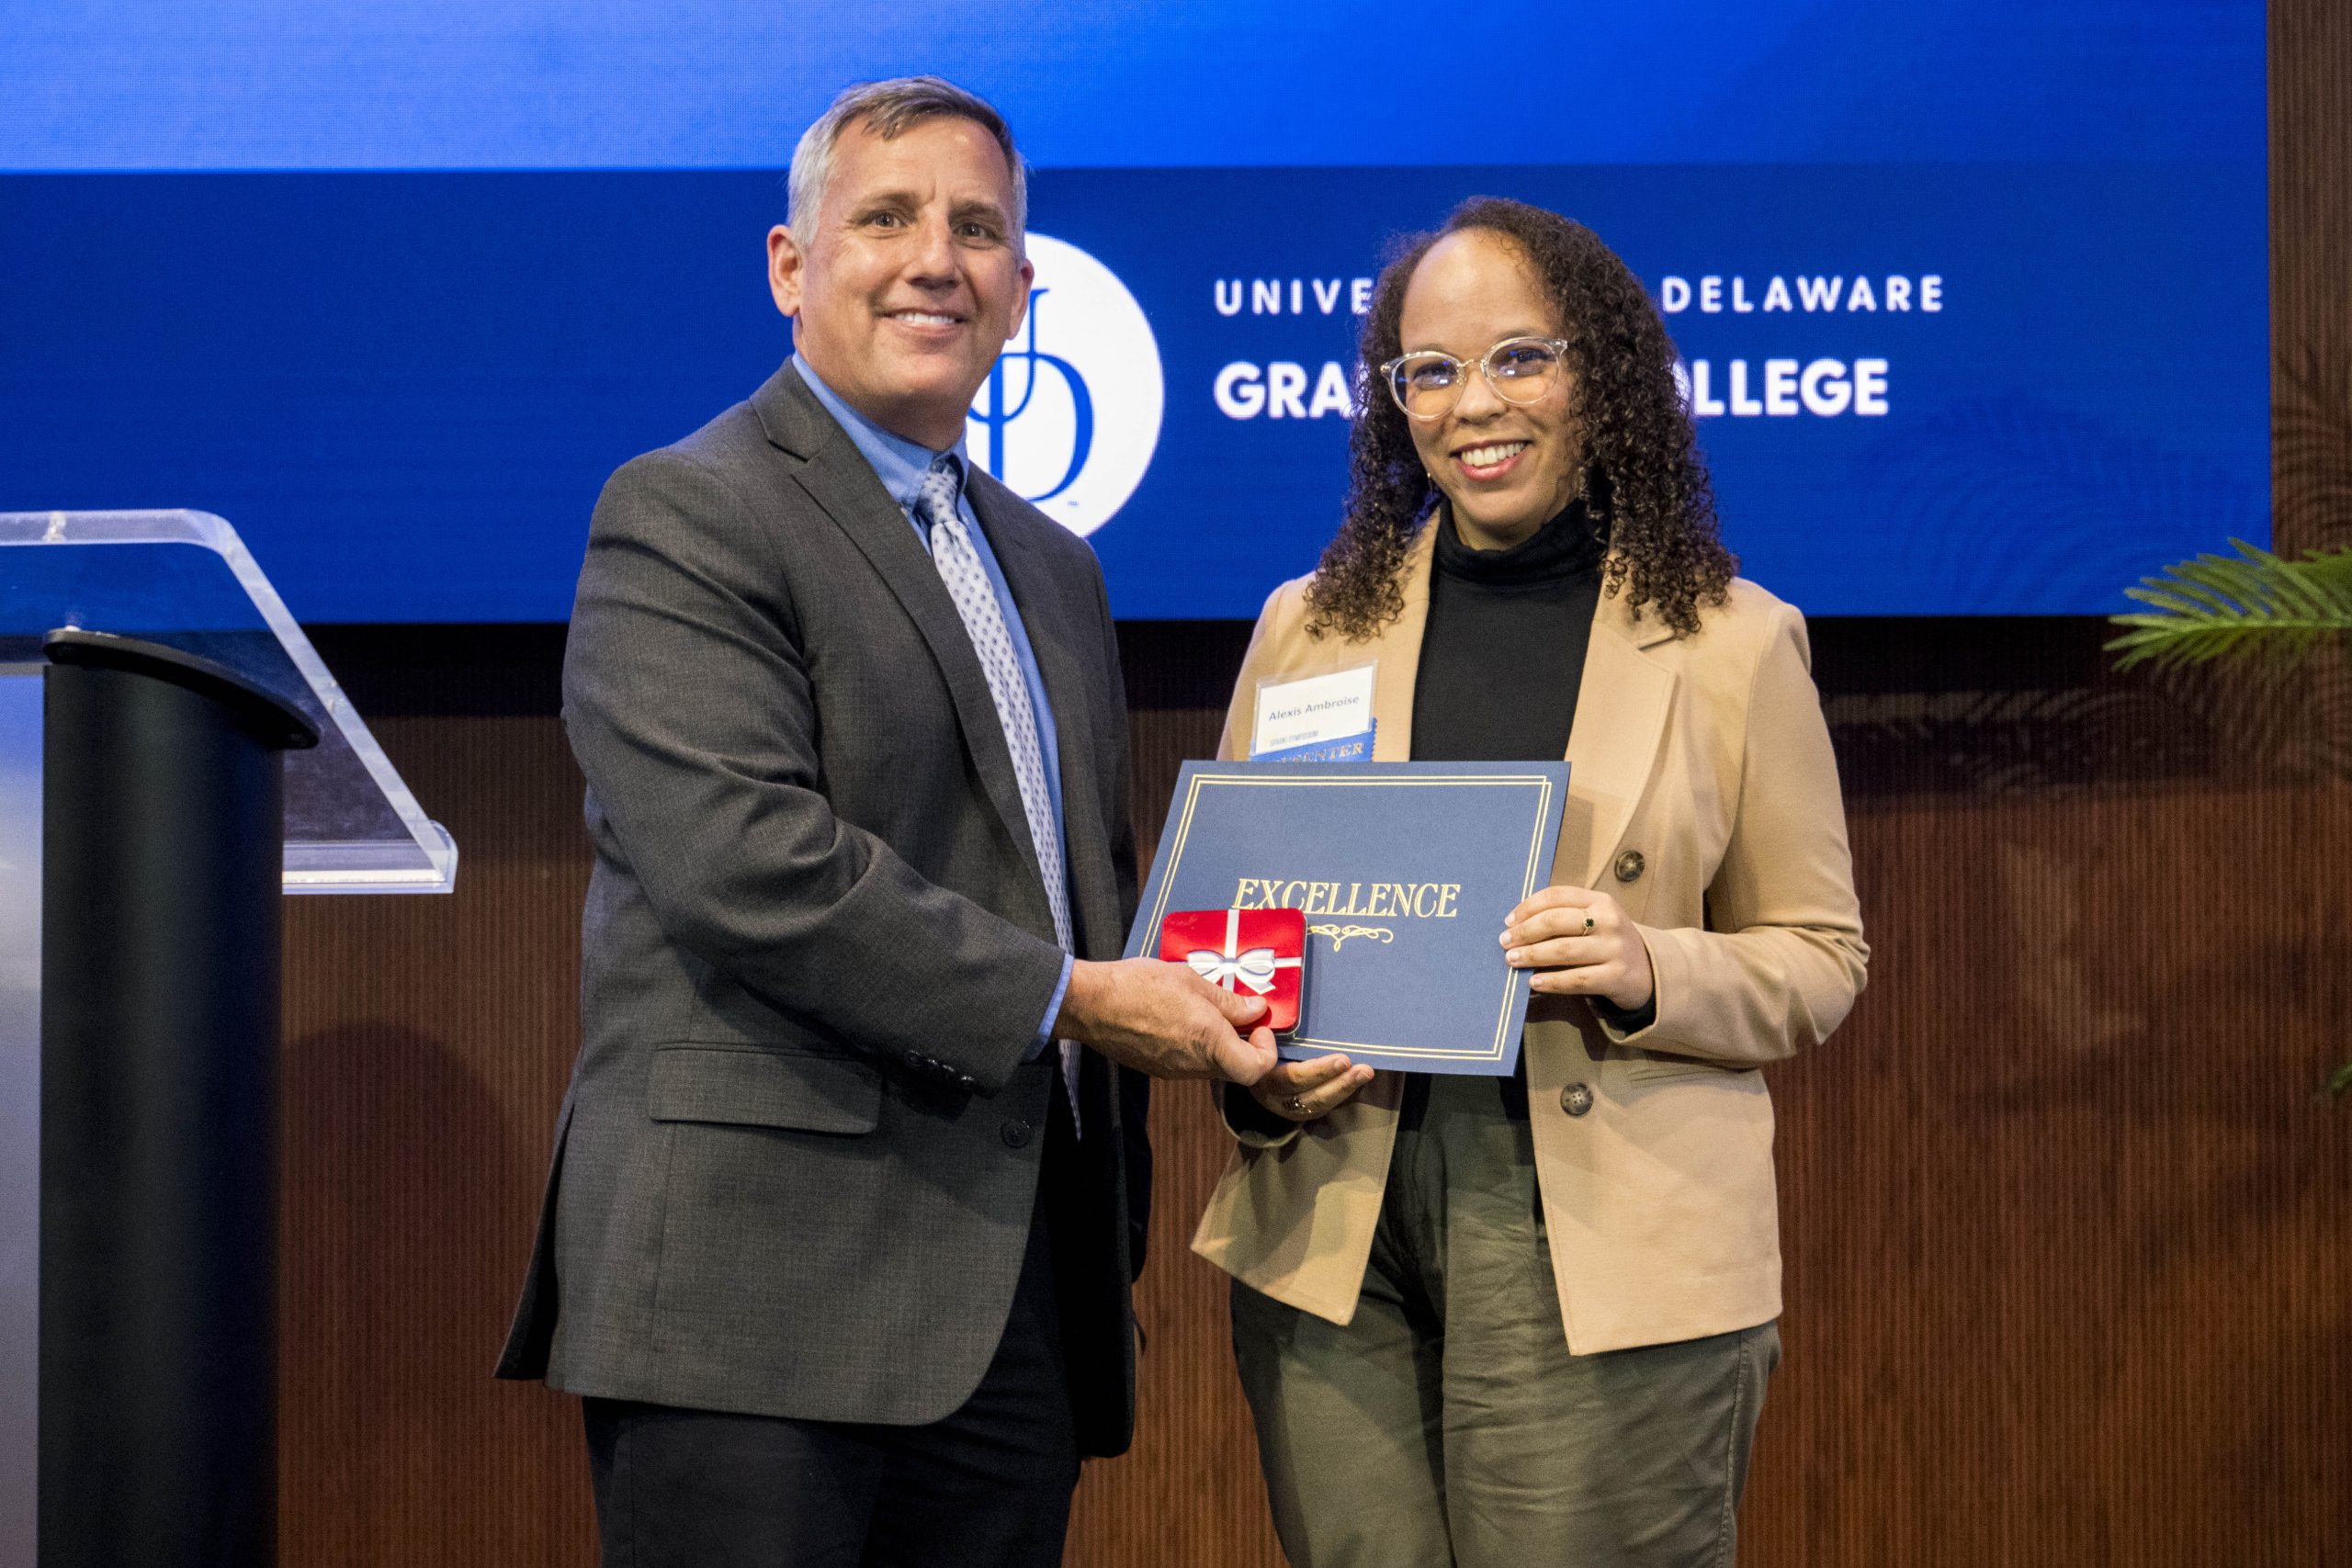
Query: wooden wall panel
(2068, 1222)
(2063, 1205)
(1188, 1492)
(427, 1044)
(2310, 267)
(2068, 1265)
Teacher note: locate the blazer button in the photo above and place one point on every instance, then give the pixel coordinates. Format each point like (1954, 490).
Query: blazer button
(1015, 1133)
(1575, 1100)
(1630, 867)
(968, 1084)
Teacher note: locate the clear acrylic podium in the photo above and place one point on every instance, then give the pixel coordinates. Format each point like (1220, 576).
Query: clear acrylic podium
(173, 757)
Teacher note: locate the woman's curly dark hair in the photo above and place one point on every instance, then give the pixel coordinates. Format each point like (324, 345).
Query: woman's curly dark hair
(1644, 480)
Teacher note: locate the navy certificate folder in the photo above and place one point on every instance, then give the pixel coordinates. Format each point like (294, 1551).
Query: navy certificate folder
(1404, 870)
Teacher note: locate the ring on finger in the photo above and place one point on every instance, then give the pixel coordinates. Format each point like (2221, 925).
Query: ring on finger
(1588, 923)
(1298, 1106)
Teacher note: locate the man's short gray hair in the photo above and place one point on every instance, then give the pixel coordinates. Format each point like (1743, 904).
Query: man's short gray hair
(888, 108)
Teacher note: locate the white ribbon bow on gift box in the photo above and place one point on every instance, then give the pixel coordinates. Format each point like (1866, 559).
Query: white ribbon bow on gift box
(1254, 968)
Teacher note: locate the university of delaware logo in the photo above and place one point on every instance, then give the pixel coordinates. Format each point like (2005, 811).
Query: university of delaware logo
(1069, 416)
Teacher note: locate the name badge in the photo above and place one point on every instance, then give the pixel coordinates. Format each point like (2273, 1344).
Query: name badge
(1322, 718)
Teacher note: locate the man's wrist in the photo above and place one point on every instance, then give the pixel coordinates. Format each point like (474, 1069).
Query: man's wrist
(1080, 990)
(1047, 1027)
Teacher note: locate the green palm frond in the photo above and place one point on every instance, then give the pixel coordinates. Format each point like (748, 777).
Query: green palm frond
(2253, 601)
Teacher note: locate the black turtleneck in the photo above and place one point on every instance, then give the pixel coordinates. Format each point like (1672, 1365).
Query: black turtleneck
(1502, 651)
(1502, 655)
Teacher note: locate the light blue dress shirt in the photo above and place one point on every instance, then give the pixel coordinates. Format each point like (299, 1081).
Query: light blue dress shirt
(901, 465)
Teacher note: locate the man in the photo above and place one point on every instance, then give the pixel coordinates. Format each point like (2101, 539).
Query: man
(840, 1231)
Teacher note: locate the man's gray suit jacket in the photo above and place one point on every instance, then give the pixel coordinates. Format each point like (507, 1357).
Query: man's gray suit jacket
(795, 1170)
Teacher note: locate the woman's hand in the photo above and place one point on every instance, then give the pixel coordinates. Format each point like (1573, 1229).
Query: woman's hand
(1300, 1091)
(1579, 943)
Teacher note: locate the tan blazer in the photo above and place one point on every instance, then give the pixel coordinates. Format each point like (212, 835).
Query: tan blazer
(1703, 793)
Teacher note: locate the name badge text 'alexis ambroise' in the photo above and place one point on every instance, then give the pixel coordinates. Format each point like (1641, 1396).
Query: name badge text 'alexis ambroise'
(1372, 900)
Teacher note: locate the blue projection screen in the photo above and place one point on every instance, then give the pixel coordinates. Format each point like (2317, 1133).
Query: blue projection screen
(1972, 300)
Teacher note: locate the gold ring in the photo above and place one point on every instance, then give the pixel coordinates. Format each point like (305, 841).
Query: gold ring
(1588, 925)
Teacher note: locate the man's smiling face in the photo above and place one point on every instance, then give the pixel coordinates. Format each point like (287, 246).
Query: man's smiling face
(913, 280)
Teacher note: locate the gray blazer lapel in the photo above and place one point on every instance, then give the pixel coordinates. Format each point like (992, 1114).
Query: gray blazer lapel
(843, 484)
(1062, 648)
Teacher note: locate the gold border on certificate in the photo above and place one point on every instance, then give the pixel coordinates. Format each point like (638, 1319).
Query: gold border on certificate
(1514, 978)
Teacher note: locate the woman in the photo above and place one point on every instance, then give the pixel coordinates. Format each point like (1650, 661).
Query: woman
(1529, 1321)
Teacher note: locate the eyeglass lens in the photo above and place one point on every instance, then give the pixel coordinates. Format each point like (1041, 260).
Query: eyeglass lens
(1520, 370)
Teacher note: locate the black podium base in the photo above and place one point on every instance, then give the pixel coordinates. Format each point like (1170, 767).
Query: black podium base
(161, 845)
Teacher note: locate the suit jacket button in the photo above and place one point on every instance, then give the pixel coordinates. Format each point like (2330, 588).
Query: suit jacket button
(1630, 867)
(916, 1059)
(1016, 1134)
(1575, 1100)
(968, 1084)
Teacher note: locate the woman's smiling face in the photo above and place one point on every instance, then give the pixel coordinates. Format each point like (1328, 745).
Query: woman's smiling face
(1508, 469)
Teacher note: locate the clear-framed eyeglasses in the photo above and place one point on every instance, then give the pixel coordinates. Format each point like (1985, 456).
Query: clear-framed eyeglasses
(1428, 384)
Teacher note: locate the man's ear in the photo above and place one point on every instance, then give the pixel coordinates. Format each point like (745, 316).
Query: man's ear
(787, 269)
(1020, 307)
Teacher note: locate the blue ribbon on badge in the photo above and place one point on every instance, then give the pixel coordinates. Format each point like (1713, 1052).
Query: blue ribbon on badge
(1339, 749)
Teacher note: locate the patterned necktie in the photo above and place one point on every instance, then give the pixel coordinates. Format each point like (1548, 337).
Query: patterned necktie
(967, 584)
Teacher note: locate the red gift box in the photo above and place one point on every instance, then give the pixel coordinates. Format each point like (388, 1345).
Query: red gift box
(1257, 953)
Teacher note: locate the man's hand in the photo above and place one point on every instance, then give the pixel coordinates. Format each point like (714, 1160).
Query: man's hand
(1164, 1020)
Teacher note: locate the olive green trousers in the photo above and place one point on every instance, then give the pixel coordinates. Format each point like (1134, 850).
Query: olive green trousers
(1448, 1423)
